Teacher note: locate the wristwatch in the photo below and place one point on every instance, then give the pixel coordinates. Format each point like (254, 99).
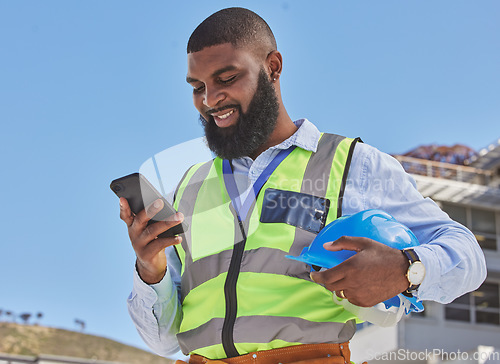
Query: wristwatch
(416, 271)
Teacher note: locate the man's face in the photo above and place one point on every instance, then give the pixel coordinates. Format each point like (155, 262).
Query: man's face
(236, 100)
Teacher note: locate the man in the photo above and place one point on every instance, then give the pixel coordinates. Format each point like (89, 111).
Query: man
(229, 293)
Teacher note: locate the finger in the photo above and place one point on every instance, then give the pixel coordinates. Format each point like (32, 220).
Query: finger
(351, 294)
(154, 208)
(153, 230)
(341, 284)
(125, 212)
(354, 243)
(328, 277)
(157, 245)
(361, 302)
(142, 218)
(337, 286)
(340, 294)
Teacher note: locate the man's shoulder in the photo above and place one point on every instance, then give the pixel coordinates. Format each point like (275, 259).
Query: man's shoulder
(361, 148)
(369, 158)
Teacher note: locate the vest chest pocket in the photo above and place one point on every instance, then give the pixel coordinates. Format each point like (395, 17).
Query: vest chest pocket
(301, 210)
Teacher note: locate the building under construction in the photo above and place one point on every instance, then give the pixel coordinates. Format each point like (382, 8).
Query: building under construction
(466, 185)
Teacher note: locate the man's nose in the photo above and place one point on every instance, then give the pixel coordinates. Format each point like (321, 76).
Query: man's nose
(212, 97)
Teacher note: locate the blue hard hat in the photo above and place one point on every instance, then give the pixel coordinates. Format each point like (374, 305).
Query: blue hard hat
(373, 224)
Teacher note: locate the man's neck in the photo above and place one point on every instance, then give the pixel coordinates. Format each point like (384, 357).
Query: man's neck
(284, 129)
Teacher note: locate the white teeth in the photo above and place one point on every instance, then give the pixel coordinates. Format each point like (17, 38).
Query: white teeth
(225, 115)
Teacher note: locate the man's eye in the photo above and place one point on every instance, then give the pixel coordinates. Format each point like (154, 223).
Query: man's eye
(228, 80)
(198, 90)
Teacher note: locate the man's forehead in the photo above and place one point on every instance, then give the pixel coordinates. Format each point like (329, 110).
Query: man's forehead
(217, 58)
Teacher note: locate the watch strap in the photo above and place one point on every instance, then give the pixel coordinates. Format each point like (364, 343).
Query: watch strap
(412, 257)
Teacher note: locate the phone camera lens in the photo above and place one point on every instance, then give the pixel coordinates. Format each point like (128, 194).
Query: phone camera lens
(117, 188)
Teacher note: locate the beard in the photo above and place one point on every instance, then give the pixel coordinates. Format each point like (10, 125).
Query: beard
(252, 128)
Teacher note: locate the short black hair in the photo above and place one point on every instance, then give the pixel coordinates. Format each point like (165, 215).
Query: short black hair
(238, 26)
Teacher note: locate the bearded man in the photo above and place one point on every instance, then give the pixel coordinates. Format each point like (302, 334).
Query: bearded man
(224, 291)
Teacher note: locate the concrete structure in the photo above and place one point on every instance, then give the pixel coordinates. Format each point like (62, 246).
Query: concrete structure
(468, 329)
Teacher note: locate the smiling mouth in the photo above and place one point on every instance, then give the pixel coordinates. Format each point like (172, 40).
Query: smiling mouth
(224, 118)
(226, 115)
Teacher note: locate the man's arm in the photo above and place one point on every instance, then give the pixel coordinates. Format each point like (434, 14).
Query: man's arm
(453, 259)
(155, 309)
(153, 303)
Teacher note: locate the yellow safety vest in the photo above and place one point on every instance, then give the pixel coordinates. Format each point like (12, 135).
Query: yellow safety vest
(239, 293)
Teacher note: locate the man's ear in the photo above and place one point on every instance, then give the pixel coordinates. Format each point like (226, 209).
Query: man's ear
(274, 63)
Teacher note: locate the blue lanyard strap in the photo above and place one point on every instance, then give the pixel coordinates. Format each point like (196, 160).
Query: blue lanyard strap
(242, 209)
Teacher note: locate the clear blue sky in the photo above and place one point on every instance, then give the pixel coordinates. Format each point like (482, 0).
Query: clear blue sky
(89, 90)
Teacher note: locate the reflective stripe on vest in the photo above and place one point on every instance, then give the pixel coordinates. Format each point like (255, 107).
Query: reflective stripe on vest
(268, 301)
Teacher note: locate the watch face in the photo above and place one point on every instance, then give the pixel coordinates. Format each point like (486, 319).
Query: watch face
(416, 273)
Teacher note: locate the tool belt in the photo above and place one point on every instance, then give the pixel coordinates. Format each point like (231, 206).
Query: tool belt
(298, 354)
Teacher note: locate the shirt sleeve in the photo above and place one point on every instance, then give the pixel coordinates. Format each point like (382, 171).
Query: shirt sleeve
(452, 257)
(155, 309)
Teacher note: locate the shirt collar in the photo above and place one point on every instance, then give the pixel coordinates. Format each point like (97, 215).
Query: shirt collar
(306, 137)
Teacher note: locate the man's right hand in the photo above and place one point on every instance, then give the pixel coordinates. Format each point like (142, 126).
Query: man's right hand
(149, 249)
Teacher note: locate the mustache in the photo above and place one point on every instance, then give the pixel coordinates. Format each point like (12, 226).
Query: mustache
(210, 112)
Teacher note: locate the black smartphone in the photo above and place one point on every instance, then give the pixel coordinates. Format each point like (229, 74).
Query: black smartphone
(139, 193)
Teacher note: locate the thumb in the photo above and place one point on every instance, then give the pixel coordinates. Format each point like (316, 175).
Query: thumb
(315, 277)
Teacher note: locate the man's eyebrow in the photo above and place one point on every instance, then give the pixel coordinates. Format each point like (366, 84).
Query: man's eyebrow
(215, 74)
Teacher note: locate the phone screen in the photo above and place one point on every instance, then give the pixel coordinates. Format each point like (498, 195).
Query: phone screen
(139, 193)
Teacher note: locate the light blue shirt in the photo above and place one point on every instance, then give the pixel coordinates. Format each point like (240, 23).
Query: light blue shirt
(452, 257)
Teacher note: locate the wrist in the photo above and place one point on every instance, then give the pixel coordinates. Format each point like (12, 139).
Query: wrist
(415, 273)
(405, 264)
(148, 276)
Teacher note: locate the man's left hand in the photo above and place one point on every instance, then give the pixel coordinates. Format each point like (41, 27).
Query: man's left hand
(374, 274)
